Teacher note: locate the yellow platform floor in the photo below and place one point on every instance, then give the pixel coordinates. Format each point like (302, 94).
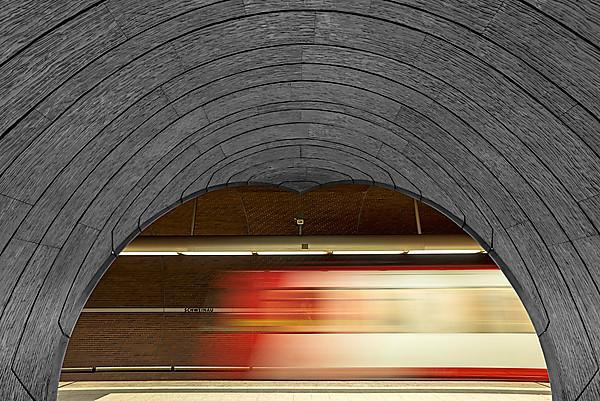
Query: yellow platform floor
(303, 391)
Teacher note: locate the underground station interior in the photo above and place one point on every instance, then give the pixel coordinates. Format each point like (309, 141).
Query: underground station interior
(268, 289)
(300, 200)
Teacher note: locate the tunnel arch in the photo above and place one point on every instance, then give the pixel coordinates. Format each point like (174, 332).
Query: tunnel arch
(114, 112)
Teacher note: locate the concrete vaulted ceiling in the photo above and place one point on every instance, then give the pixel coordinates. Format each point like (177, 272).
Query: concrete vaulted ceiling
(114, 112)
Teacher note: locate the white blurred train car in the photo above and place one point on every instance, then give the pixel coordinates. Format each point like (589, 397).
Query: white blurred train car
(361, 323)
(357, 322)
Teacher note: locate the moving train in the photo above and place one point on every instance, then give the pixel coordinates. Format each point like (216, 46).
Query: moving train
(446, 322)
(377, 323)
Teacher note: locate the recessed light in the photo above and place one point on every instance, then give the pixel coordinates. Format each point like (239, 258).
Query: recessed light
(368, 252)
(149, 253)
(443, 251)
(276, 253)
(216, 253)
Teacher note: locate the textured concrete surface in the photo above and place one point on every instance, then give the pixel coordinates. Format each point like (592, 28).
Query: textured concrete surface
(113, 112)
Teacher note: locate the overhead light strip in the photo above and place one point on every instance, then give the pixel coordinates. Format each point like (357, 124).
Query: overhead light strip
(216, 253)
(303, 245)
(312, 252)
(444, 251)
(149, 253)
(277, 253)
(359, 252)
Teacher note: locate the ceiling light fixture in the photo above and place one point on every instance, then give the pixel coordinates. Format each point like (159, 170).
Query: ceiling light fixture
(382, 252)
(277, 253)
(149, 253)
(305, 245)
(216, 253)
(444, 251)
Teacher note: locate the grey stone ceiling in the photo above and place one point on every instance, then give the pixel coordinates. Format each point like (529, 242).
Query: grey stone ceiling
(114, 112)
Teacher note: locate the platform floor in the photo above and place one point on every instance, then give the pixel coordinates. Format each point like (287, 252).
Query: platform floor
(303, 391)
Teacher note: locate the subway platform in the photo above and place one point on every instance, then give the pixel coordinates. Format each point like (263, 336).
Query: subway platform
(303, 391)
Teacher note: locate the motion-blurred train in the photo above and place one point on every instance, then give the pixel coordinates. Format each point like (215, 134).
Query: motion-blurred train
(327, 322)
(374, 323)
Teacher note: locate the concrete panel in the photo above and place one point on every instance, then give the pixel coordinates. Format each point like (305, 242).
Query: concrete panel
(369, 165)
(395, 69)
(341, 29)
(12, 213)
(11, 388)
(22, 299)
(221, 173)
(68, 194)
(461, 38)
(582, 18)
(203, 74)
(247, 99)
(171, 193)
(22, 22)
(423, 182)
(592, 391)
(586, 294)
(127, 211)
(99, 255)
(27, 364)
(588, 250)
(241, 168)
(162, 136)
(566, 328)
(300, 178)
(47, 62)
(575, 60)
(20, 137)
(509, 104)
(14, 258)
(473, 206)
(136, 17)
(81, 124)
(235, 35)
(256, 6)
(584, 124)
(516, 270)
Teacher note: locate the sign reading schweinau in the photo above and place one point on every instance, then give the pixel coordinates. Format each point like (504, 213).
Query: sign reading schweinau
(190, 309)
(198, 310)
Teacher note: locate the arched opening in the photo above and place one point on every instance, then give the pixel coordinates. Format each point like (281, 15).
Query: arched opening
(171, 317)
(114, 112)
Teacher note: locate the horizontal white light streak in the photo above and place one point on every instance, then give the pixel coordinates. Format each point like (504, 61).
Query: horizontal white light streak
(443, 251)
(277, 253)
(133, 368)
(302, 245)
(358, 252)
(217, 253)
(311, 252)
(149, 253)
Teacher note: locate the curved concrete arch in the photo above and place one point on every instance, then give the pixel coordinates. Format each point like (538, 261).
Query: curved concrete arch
(488, 110)
(326, 146)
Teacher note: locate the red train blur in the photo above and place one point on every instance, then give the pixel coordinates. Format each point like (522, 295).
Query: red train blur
(371, 323)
